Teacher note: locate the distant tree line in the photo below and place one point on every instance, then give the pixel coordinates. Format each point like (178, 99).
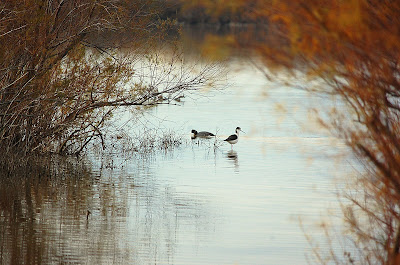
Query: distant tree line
(212, 12)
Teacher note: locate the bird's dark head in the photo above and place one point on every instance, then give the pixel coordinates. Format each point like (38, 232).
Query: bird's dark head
(238, 129)
(194, 131)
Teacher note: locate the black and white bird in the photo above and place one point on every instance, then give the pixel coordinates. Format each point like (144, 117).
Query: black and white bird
(234, 138)
(202, 134)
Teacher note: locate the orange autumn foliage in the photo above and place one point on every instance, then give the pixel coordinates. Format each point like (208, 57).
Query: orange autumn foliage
(354, 47)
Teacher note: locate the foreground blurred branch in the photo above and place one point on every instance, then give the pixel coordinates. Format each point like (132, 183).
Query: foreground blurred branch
(351, 49)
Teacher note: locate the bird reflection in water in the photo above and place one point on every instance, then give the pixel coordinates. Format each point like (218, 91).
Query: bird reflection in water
(233, 156)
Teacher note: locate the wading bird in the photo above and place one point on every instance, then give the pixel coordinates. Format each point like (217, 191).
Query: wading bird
(234, 138)
(202, 134)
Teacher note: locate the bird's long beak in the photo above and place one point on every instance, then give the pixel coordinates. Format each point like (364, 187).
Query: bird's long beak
(242, 131)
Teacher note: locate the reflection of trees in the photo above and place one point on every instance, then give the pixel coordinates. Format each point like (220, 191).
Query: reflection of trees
(160, 218)
(44, 208)
(36, 203)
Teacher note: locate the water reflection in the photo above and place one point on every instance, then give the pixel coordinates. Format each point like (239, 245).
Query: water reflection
(233, 157)
(66, 211)
(39, 203)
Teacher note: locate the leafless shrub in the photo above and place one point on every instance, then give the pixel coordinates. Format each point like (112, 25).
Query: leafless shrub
(59, 87)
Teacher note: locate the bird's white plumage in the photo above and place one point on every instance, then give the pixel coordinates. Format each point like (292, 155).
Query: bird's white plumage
(234, 138)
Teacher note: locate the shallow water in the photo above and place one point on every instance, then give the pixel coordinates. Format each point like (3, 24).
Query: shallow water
(200, 203)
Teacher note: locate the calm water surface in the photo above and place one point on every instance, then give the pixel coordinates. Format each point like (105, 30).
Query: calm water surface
(200, 203)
